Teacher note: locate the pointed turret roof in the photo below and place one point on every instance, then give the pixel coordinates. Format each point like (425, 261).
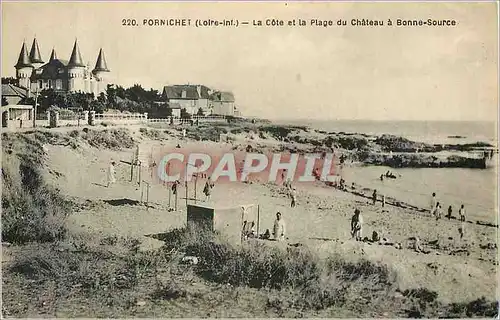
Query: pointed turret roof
(23, 60)
(35, 56)
(101, 64)
(53, 55)
(76, 58)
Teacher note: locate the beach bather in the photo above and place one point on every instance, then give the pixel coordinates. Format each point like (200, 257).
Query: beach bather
(461, 213)
(293, 196)
(433, 202)
(279, 229)
(438, 211)
(450, 211)
(357, 225)
(374, 197)
(111, 173)
(383, 201)
(207, 190)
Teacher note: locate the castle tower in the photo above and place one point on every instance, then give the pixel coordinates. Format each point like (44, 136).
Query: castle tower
(24, 69)
(53, 55)
(35, 57)
(99, 72)
(76, 70)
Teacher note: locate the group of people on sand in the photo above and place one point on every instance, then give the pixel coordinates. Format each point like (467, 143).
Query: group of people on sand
(436, 210)
(279, 230)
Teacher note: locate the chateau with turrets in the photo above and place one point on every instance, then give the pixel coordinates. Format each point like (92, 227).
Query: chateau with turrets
(71, 75)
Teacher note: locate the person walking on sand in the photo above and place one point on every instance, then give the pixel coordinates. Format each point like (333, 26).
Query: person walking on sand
(374, 197)
(279, 229)
(208, 189)
(383, 201)
(433, 204)
(111, 173)
(357, 225)
(461, 213)
(293, 196)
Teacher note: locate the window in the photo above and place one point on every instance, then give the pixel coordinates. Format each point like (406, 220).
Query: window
(59, 84)
(50, 83)
(40, 84)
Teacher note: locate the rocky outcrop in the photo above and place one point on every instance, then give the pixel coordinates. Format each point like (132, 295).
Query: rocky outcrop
(416, 160)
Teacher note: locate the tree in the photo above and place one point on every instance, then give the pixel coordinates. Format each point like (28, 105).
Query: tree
(200, 112)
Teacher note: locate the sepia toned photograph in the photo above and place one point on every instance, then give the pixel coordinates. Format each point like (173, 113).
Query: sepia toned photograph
(249, 159)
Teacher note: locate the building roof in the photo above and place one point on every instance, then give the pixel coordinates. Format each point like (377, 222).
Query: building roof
(101, 64)
(51, 70)
(35, 56)
(11, 90)
(23, 60)
(53, 55)
(225, 96)
(76, 57)
(175, 92)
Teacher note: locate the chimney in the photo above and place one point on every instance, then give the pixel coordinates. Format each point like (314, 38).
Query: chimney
(183, 93)
(198, 88)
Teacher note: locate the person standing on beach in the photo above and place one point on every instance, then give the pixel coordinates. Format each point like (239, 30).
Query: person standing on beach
(207, 190)
(293, 196)
(433, 204)
(383, 201)
(279, 228)
(438, 211)
(461, 212)
(450, 211)
(374, 197)
(357, 225)
(111, 173)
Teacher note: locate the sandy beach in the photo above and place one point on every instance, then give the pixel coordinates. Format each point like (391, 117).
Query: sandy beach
(457, 269)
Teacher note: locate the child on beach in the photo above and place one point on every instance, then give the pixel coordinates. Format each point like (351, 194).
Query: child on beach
(450, 211)
(374, 197)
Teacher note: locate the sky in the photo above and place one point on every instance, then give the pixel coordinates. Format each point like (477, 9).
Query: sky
(306, 72)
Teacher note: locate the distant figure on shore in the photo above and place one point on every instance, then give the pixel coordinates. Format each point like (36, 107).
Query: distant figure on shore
(357, 225)
(342, 184)
(417, 246)
(381, 177)
(450, 211)
(383, 201)
(184, 132)
(279, 229)
(433, 203)
(439, 211)
(293, 196)
(178, 146)
(374, 197)
(111, 173)
(461, 213)
(207, 190)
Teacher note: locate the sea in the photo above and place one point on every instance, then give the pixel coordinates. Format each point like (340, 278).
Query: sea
(477, 189)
